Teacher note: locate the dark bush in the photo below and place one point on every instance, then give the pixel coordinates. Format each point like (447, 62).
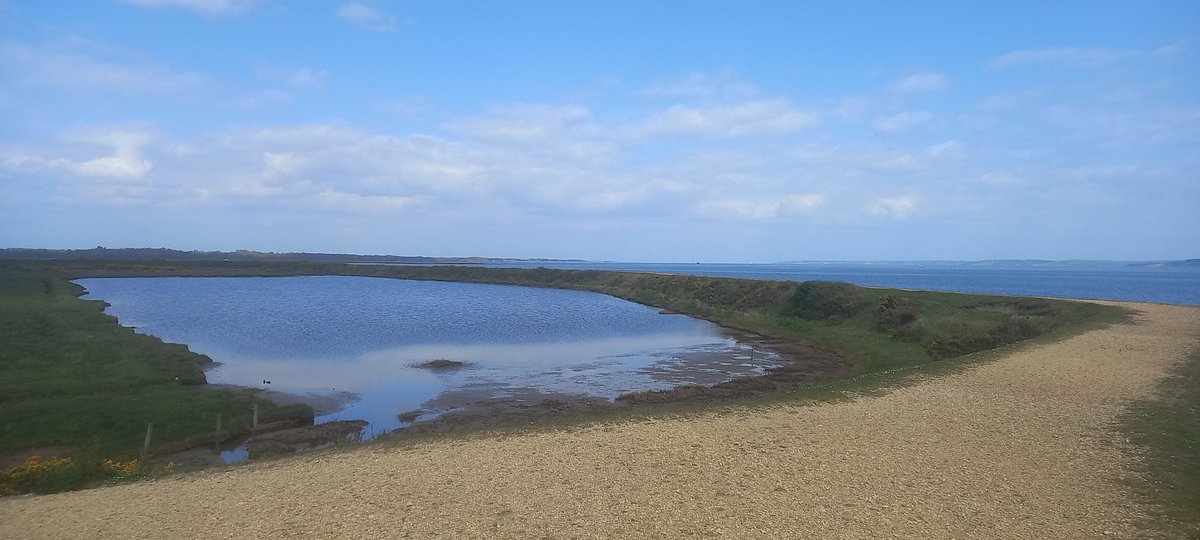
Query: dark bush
(824, 300)
(897, 315)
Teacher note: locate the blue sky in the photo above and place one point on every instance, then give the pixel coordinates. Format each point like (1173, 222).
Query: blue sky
(633, 131)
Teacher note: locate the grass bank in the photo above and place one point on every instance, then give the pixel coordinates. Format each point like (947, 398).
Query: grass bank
(1168, 428)
(73, 381)
(872, 329)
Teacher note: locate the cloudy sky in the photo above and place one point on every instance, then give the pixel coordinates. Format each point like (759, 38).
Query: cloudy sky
(615, 130)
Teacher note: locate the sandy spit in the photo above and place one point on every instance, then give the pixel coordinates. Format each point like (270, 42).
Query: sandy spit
(1022, 447)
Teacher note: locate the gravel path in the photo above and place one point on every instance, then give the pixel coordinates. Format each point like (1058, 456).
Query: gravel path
(1022, 447)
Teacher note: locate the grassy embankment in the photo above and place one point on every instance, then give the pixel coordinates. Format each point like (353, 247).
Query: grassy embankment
(1168, 427)
(872, 329)
(70, 376)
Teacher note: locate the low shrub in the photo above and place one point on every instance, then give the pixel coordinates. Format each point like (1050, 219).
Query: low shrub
(66, 473)
(898, 317)
(824, 300)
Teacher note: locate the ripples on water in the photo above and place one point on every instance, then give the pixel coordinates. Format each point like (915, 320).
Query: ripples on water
(332, 335)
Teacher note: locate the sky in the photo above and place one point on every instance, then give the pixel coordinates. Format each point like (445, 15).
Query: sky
(609, 130)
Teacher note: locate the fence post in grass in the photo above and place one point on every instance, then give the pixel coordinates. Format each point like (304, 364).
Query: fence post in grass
(146, 444)
(217, 438)
(254, 407)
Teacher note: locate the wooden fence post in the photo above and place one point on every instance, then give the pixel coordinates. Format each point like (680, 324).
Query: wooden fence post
(217, 438)
(146, 444)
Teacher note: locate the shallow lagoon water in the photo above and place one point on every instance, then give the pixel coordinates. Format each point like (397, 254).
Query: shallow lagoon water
(363, 338)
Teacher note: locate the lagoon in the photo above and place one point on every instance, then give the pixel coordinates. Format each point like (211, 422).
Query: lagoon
(362, 340)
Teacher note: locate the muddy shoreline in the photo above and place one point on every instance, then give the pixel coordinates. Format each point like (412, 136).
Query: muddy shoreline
(467, 409)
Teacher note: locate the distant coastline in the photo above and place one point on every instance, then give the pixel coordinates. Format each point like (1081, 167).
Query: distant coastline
(1018, 263)
(241, 255)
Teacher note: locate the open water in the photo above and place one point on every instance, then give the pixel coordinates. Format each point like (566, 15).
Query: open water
(363, 340)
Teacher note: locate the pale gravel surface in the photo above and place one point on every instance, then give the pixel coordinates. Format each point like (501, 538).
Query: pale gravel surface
(1022, 447)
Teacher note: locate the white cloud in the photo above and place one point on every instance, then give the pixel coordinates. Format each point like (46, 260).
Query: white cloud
(1060, 56)
(1006, 100)
(81, 65)
(851, 109)
(125, 164)
(902, 121)
(554, 133)
(206, 7)
(1173, 49)
(1128, 125)
(260, 99)
(737, 208)
(523, 123)
(791, 204)
(409, 108)
(702, 86)
(366, 16)
(928, 81)
(277, 165)
(354, 202)
(762, 117)
(118, 166)
(299, 78)
(1001, 179)
(948, 149)
(761, 208)
(899, 207)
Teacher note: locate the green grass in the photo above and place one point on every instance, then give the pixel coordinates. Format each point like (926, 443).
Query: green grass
(838, 317)
(1168, 428)
(70, 376)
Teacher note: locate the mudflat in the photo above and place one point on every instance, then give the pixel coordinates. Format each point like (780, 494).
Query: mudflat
(1021, 447)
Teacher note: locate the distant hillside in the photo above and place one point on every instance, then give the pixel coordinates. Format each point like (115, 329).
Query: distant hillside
(1015, 263)
(1189, 263)
(164, 254)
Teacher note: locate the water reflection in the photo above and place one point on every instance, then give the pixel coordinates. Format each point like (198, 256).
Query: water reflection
(365, 337)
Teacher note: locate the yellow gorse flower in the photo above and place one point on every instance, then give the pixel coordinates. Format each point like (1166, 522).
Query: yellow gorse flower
(21, 479)
(123, 468)
(15, 480)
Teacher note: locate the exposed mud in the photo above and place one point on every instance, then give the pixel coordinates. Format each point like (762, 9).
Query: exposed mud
(477, 408)
(288, 441)
(483, 407)
(802, 365)
(441, 364)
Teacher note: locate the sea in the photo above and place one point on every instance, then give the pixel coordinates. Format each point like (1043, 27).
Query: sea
(1138, 282)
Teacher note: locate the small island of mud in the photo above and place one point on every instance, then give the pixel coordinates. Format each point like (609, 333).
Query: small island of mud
(441, 364)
